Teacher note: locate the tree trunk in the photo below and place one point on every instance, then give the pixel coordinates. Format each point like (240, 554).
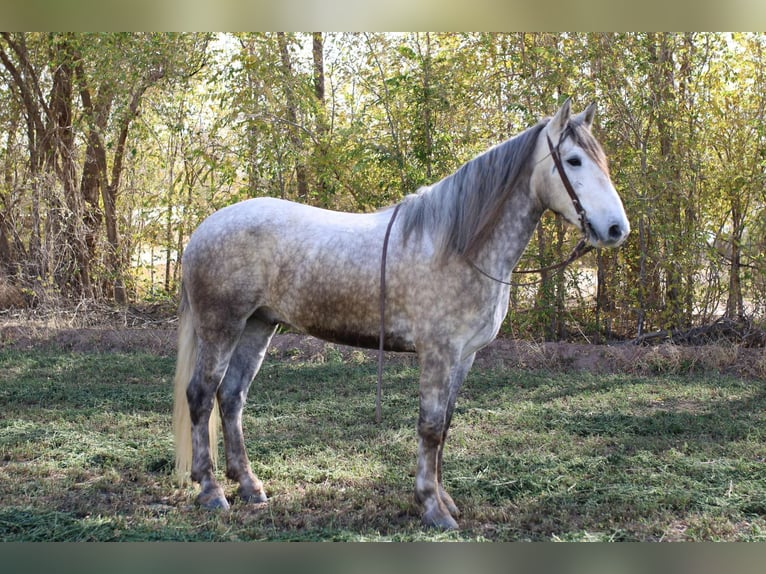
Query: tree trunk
(292, 116)
(734, 301)
(74, 271)
(96, 177)
(9, 252)
(94, 168)
(427, 143)
(317, 51)
(323, 170)
(662, 54)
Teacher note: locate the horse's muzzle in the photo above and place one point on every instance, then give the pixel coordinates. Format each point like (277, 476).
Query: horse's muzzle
(611, 235)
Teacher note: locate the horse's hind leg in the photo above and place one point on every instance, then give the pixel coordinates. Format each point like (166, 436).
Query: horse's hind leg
(232, 394)
(212, 361)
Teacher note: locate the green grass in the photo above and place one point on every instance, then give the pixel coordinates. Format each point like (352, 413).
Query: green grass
(86, 454)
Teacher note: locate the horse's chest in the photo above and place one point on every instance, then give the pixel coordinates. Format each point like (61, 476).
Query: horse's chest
(487, 324)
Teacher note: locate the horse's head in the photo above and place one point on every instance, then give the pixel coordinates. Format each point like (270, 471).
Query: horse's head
(591, 203)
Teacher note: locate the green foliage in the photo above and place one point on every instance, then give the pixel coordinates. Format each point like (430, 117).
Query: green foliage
(226, 117)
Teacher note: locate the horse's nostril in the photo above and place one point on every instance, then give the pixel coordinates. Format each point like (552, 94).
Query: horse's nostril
(615, 232)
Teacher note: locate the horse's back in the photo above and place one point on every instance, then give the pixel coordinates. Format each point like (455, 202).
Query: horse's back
(303, 264)
(280, 220)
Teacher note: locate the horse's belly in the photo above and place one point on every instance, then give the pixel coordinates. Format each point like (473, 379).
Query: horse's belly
(354, 323)
(391, 341)
(337, 299)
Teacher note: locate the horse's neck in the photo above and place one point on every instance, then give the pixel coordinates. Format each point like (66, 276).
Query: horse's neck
(514, 230)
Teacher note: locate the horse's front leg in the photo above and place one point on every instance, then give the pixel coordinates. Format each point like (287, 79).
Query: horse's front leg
(457, 376)
(432, 429)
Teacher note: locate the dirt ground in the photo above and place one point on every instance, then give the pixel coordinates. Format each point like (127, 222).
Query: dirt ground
(153, 331)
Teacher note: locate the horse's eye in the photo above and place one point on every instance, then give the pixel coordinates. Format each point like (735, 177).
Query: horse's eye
(574, 161)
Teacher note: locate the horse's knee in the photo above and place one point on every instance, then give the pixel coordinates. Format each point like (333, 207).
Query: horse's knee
(432, 426)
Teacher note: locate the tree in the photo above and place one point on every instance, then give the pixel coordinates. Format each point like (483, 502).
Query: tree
(110, 73)
(51, 151)
(737, 140)
(116, 143)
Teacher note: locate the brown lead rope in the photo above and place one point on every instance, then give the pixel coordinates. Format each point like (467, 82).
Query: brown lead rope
(580, 249)
(378, 410)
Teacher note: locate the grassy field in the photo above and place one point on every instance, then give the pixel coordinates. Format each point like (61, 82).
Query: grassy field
(86, 454)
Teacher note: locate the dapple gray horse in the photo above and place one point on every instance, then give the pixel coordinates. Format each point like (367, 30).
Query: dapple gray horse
(262, 262)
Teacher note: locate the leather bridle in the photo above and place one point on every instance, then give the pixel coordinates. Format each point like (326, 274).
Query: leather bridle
(556, 156)
(582, 246)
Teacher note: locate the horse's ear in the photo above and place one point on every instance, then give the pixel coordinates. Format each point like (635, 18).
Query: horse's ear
(586, 117)
(559, 121)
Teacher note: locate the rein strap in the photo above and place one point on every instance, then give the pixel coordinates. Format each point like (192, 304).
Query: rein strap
(580, 249)
(379, 393)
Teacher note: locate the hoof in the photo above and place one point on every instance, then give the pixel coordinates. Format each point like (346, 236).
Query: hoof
(253, 497)
(214, 504)
(440, 521)
(214, 500)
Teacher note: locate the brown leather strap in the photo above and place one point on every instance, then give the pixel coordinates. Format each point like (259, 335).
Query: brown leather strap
(379, 392)
(556, 156)
(580, 249)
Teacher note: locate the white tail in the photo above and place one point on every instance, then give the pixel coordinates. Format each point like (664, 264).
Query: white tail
(185, 360)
